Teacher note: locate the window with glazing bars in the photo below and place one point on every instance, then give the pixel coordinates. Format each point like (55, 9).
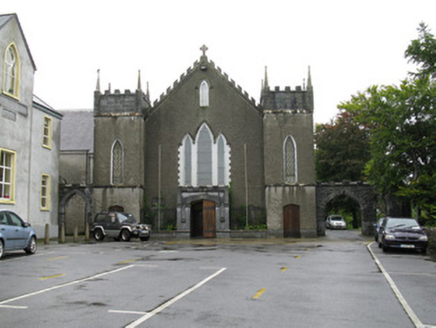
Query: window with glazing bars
(290, 160)
(117, 163)
(7, 166)
(45, 192)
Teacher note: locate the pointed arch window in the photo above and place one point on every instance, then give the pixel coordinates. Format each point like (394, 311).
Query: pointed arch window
(221, 153)
(290, 160)
(117, 163)
(204, 94)
(204, 156)
(11, 71)
(187, 160)
(204, 162)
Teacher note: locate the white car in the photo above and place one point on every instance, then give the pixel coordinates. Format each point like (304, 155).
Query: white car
(335, 222)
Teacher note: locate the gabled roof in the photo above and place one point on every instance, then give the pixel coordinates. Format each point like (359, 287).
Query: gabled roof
(6, 18)
(77, 130)
(204, 61)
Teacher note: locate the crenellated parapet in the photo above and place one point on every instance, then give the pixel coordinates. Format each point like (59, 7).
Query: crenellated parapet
(121, 104)
(298, 100)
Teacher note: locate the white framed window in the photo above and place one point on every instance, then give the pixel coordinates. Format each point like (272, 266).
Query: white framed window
(290, 160)
(204, 94)
(47, 132)
(186, 159)
(117, 163)
(11, 71)
(7, 176)
(45, 192)
(204, 162)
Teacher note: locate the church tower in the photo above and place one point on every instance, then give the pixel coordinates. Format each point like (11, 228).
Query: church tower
(119, 130)
(289, 159)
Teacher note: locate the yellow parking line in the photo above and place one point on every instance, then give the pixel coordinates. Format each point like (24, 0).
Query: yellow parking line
(54, 276)
(259, 293)
(297, 257)
(283, 269)
(57, 258)
(127, 261)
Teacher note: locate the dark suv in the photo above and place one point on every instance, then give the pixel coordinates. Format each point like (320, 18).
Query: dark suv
(120, 226)
(402, 233)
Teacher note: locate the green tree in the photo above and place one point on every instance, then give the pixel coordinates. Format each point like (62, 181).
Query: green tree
(403, 128)
(422, 52)
(342, 149)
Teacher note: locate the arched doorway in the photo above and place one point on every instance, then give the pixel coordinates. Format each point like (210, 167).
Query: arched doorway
(203, 219)
(291, 221)
(70, 213)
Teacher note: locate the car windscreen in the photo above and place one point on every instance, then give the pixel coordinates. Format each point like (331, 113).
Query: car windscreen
(336, 218)
(126, 218)
(402, 223)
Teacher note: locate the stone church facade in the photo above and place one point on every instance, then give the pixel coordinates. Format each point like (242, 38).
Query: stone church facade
(205, 158)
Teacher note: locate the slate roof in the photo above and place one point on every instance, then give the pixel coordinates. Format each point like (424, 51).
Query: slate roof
(77, 130)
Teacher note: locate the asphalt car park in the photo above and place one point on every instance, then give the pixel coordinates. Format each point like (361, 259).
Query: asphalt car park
(326, 282)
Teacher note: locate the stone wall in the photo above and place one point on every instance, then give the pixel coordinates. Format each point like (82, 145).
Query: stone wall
(431, 233)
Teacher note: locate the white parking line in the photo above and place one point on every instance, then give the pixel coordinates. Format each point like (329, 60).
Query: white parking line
(65, 285)
(173, 300)
(127, 312)
(13, 307)
(413, 317)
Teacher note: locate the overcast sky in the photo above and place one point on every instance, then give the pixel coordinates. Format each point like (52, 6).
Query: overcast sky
(349, 45)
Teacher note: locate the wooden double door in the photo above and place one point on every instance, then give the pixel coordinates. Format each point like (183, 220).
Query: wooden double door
(203, 219)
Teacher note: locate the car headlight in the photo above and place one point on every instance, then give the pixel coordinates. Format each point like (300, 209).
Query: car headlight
(423, 238)
(389, 237)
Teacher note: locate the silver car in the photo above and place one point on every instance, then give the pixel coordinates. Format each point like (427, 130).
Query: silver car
(15, 234)
(335, 222)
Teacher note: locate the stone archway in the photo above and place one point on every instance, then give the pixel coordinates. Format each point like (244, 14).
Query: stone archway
(361, 192)
(67, 193)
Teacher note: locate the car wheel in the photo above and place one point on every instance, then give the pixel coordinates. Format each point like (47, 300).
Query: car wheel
(144, 238)
(98, 235)
(125, 235)
(385, 248)
(424, 251)
(31, 248)
(379, 245)
(1, 249)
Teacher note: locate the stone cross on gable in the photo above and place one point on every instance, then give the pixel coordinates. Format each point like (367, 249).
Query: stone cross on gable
(204, 49)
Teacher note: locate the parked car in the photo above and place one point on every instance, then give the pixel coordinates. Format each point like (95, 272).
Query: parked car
(376, 228)
(15, 234)
(335, 222)
(403, 233)
(121, 226)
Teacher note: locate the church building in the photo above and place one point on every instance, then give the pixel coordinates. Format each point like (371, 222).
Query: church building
(205, 159)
